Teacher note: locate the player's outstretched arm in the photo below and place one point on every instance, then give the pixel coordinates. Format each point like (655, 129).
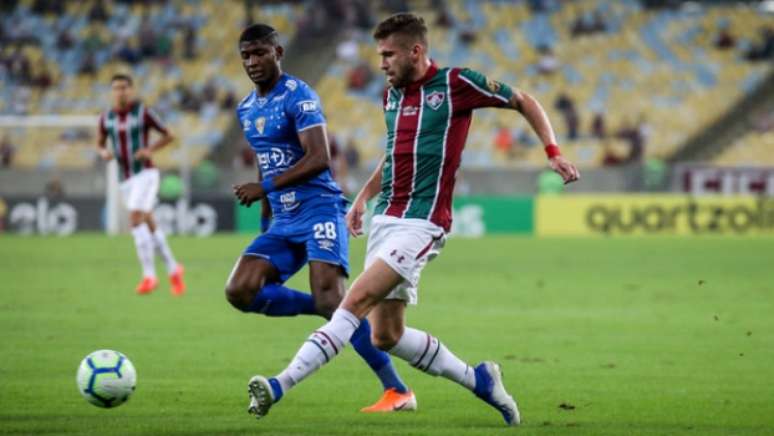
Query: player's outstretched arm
(369, 190)
(538, 119)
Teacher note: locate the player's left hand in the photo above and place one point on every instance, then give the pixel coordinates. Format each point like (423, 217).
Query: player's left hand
(143, 154)
(248, 193)
(564, 168)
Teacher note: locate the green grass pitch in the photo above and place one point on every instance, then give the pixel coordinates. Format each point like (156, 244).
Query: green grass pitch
(633, 336)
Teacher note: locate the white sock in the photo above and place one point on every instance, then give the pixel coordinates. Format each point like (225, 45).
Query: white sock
(321, 347)
(160, 242)
(428, 354)
(143, 241)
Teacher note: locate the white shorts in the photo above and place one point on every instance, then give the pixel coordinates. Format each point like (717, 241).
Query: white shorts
(406, 245)
(140, 191)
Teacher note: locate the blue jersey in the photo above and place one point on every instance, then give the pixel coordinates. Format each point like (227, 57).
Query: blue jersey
(271, 124)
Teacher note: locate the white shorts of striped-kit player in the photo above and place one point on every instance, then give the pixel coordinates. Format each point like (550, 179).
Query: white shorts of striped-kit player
(140, 191)
(406, 245)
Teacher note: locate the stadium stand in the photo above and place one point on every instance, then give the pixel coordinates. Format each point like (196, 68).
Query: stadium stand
(57, 58)
(753, 148)
(649, 78)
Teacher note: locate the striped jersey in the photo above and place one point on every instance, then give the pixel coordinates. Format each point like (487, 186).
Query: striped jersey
(427, 126)
(128, 132)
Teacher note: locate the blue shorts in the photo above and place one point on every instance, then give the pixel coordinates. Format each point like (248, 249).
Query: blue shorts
(319, 234)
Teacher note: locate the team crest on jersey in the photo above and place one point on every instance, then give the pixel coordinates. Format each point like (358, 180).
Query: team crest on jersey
(492, 85)
(260, 123)
(435, 99)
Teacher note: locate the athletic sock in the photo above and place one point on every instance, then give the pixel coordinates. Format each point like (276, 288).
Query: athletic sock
(322, 346)
(143, 242)
(160, 242)
(428, 354)
(378, 360)
(277, 300)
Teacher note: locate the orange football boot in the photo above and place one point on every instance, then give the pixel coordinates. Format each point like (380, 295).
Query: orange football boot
(393, 401)
(176, 280)
(147, 285)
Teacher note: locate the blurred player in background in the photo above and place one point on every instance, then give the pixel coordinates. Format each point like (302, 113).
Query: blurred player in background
(427, 111)
(283, 122)
(128, 124)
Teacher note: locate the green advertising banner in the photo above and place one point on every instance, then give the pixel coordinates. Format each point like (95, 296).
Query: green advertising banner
(473, 216)
(483, 215)
(247, 219)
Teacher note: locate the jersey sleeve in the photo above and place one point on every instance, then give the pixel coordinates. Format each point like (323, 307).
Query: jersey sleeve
(305, 109)
(153, 121)
(473, 90)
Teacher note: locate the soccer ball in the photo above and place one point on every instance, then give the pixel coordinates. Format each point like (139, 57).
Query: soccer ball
(106, 378)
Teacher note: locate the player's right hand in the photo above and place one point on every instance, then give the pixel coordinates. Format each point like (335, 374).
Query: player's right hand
(105, 154)
(355, 218)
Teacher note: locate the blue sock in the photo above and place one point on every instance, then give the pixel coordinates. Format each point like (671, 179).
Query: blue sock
(378, 360)
(277, 300)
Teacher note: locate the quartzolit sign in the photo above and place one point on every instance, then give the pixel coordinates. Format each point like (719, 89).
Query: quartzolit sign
(654, 215)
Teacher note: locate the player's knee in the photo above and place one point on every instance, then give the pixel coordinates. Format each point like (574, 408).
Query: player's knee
(239, 294)
(136, 218)
(384, 340)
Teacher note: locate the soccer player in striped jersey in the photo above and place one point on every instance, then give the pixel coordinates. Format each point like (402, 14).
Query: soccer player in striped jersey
(128, 125)
(282, 120)
(428, 111)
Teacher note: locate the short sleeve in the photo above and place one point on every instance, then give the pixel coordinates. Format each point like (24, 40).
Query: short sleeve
(153, 121)
(472, 90)
(305, 109)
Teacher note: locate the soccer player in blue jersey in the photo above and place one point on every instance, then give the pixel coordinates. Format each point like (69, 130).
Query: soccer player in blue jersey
(283, 122)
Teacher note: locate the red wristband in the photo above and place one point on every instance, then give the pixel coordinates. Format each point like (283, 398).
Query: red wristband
(552, 151)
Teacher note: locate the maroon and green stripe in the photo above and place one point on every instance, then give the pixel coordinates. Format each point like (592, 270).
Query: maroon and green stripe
(424, 150)
(127, 140)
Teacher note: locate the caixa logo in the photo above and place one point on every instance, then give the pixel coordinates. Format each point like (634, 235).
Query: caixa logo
(43, 218)
(181, 219)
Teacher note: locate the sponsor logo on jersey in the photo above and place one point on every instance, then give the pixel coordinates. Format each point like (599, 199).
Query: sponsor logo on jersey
(391, 105)
(288, 201)
(291, 85)
(260, 123)
(275, 157)
(308, 106)
(435, 99)
(410, 111)
(246, 125)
